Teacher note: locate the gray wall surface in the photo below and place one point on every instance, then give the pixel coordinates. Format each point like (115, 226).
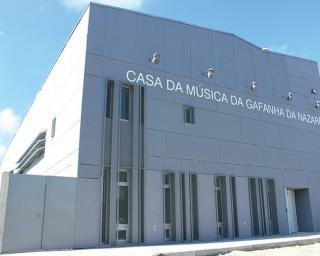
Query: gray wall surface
(24, 214)
(43, 213)
(224, 140)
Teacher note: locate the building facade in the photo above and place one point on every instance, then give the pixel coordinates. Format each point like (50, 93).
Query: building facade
(167, 132)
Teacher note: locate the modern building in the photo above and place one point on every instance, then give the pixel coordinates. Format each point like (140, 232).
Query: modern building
(152, 131)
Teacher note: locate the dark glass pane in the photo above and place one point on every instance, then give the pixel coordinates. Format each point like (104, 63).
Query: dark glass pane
(167, 233)
(254, 206)
(167, 198)
(234, 206)
(262, 209)
(187, 115)
(218, 182)
(125, 104)
(183, 193)
(142, 105)
(219, 202)
(105, 206)
(272, 206)
(167, 179)
(122, 235)
(194, 200)
(109, 101)
(123, 205)
(142, 205)
(123, 176)
(191, 116)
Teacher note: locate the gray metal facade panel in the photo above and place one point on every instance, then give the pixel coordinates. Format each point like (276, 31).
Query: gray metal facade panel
(202, 53)
(225, 139)
(206, 209)
(150, 39)
(153, 206)
(96, 32)
(252, 131)
(90, 151)
(24, 213)
(243, 207)
(218, 125)
(263, 75)
(155, 145)
(301, 65)
(88, 202)
(224, 60)
(177, 49)
(244, 54)
(279, 74)
(121, 37)
(59, 215)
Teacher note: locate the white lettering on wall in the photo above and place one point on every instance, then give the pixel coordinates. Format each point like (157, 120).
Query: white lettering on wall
(203, 92)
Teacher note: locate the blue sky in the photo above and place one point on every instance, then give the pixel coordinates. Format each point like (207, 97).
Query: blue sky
(33, 32)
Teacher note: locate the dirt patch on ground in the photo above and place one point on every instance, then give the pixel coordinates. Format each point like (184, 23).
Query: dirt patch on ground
(304, 250)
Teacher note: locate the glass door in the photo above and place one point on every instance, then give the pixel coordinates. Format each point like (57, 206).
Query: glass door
(123, 205)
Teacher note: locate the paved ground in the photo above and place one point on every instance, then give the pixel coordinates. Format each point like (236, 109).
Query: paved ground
(310, 242)
(305, 250)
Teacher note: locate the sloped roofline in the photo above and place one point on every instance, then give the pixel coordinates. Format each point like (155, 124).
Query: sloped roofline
(198, 26)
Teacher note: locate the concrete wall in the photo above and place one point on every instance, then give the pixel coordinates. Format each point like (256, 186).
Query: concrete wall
(43, 213)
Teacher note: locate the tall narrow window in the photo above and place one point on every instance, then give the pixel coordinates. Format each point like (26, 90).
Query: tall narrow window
(125, 103)
(194, 206)
(123, 206)
(262, 207)
(109, 99)
(105, 205)
(234, 206)
(53, 127)
(272, 205)
(183, 202)
(142, 105)
(254, 207)
(221, 206)
(142, 206)
(188, 115)
(168, 194)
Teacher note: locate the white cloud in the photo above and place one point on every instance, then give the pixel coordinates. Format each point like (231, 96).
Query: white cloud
(284, 48)
(80, 4)
(2, 151)
(9, 123)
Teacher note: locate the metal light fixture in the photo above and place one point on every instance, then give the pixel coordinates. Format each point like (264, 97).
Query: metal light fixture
(313, 91)
(254, 85)
(210, 73)
(290, 96)
(155, 58)
(318, 104)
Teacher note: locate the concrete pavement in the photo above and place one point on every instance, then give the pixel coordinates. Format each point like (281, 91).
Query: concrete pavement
(210, 248)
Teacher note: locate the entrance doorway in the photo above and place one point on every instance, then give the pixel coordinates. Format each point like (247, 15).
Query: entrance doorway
(299, 210)
(292, 211)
